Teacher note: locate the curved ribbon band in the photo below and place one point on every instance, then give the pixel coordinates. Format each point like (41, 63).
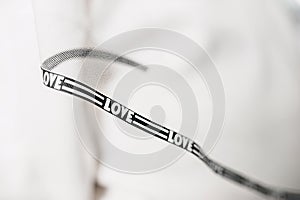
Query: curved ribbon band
(68, 85)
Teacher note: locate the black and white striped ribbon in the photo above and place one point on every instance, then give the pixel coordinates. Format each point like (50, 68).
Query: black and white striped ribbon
(68, 85)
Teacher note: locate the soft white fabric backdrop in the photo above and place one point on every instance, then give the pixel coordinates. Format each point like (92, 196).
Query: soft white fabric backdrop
(255, 46)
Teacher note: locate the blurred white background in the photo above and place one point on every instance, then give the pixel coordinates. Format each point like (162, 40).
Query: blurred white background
(255, 45)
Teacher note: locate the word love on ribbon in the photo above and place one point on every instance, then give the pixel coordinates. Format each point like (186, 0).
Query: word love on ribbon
(83, 91)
